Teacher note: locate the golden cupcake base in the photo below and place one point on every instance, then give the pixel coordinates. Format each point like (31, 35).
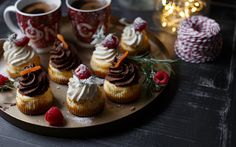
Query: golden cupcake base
(34, 105)
(86, 107)
(60, 77)
(122, 94)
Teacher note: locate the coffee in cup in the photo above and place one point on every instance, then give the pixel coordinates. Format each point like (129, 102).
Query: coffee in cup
(38, 8)
(88, 4)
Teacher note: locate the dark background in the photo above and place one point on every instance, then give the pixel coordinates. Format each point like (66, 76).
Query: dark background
(197, 109)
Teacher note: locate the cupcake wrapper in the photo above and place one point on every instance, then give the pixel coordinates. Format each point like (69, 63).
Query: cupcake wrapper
(85, 108)
(121, 94)
(58, 79)
(35, 105)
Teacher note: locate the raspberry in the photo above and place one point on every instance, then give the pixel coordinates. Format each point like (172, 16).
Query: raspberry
(139, 24)
(54, 117)
(111, 41)
(161, 77)
(82, 72)
(22, 41)
(3, 80)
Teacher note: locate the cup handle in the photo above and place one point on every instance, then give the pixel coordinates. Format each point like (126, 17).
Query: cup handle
(8, 20)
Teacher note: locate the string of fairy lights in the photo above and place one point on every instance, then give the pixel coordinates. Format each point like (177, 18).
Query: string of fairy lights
(174, 11)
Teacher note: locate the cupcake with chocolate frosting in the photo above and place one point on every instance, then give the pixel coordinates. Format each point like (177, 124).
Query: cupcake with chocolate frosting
(84, 97)
(33, 95)
(134, 38)
(18, 54)
(122, 82)
(62, 62)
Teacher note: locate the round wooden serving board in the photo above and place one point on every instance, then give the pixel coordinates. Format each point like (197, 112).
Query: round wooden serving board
(112, 111)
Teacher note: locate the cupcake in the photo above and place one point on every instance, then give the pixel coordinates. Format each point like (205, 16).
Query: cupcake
(103, 56)
(33, 95)
(134, 38)
(62, 61)
(122, 81)
(18, 54)
(84, 97)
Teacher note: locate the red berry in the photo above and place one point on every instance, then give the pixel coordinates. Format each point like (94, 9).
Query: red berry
(3, 80)
(111, 41)
(161, 77)
(82, 72)
(54, 117)
(139, 24)
(22, 41)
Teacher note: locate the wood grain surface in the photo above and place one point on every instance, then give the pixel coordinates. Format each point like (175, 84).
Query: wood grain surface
(196, 110)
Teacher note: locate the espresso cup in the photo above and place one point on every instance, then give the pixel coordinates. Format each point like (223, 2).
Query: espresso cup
(37, 19)
(87, 16)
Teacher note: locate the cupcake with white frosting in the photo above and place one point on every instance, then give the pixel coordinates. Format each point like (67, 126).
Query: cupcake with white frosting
(84, 97)
(18, 54)
(103, 56)
(134, 38)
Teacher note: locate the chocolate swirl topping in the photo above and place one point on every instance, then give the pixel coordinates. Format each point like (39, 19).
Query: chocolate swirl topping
(62, 58)
(34, 83)
(124, 75)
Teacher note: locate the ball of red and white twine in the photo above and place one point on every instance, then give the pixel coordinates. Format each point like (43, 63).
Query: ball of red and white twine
(198, 40)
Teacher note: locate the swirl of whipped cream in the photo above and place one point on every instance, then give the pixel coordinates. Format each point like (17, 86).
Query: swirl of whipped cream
(17, 55)
(83, 89)
(132, 37)
(105, 54)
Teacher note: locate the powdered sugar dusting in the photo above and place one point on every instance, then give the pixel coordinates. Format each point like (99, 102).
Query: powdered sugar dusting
(109, 37)
(84, 121)
(81, 69)
(139, 20)
(111, 41)
(82, 72)
(139, 24)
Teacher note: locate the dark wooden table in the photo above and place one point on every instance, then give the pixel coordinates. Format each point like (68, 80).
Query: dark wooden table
(196, 110)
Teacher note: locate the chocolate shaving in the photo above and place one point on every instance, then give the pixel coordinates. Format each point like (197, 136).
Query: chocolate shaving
(5, 108)
(13, 104)
(132, 108)
(7, 103)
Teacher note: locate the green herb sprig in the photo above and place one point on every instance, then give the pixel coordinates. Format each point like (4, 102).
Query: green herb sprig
(149, 66)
